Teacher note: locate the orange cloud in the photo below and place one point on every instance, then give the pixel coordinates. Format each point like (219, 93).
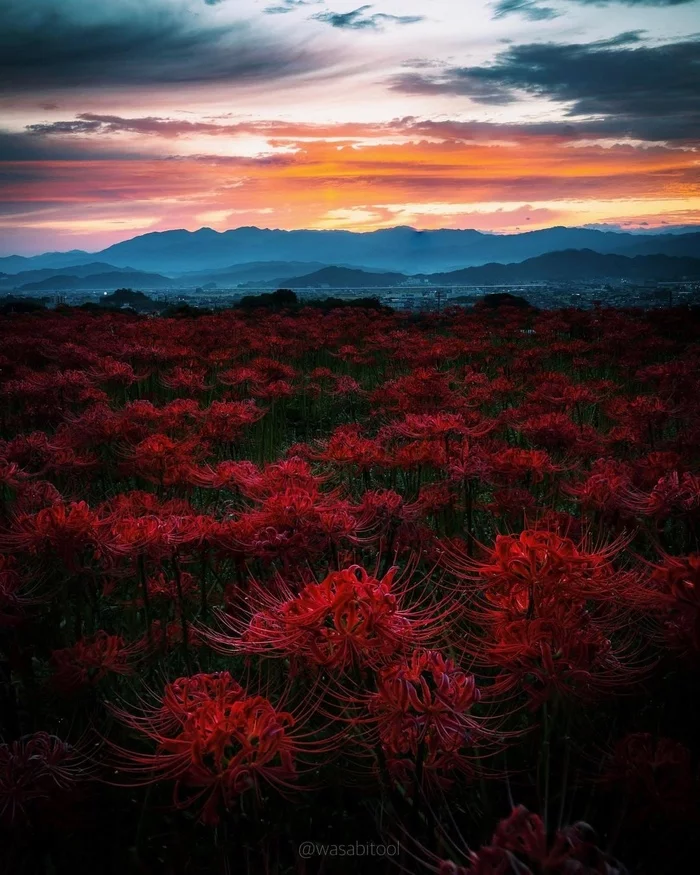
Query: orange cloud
(350, 176)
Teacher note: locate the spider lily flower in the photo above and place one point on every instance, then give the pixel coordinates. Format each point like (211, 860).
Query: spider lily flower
(520, 846)
(37, 772)
(91, 660)
(350, 620)
(216, 742)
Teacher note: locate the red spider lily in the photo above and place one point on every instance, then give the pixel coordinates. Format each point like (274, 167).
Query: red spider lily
(431, 426)
(238, 376)
(66, 529)
(187, 379)
(656, 775)
(162, 460)
(216, 741)
(346, 386)
(272, 391)
(180, 414)
(674, 495)
(29, 451)
(424, 391)
(15, 595)
(230, 475)
(648, 470)
(269, 370)
(165, 637)
(52, 389)
(346, 446)
(468, 462)
(418, 454)
(422, 713)
(568, 656)
(36, 771)
(382, 512)
(535, 588)
(35, 495)
(349, 620)
(184, 696)
(11, 475)
(538, 564)
(560, 522)
(555, 431)
(91, 660)
(224, 420)
(516, 464)
(321, 374)
(512, 505)
(645, 415)
(561, 393)
(291, 525)
(520, 846)
(138, 503)
(675, 594)
(606, 489)
(435, 497)
(157, 535)
(292, 473)
(110, 370)
(161, 587)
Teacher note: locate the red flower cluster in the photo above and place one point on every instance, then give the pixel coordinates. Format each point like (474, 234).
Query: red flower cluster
(349, 620)
(216, 741)
(520, 847)
(431, 542)
(422, 712)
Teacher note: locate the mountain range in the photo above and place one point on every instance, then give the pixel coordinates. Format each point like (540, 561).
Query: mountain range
(252, 254)
(565, 266)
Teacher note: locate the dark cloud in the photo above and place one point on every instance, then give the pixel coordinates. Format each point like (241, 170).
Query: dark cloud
(285, 6)
(358, 19)
(27, 147)
(58, 44)
(89, 123)
(628, 88)
(87, 128)
(452, 80)
(530, 9)
(533, 10)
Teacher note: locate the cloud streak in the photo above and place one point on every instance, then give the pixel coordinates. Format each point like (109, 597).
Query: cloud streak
(359, 19)
(286, 6)
(534, 10)
(61, 45)
(646, 91)
(529, 9)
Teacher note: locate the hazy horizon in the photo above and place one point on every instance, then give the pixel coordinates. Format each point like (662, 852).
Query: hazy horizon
(616, 229)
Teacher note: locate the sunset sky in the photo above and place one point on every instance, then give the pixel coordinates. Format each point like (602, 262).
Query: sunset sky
(127, 116)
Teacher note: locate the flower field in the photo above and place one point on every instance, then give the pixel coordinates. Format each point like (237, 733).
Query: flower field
(273, 578)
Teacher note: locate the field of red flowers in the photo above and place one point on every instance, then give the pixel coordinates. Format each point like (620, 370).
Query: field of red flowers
(272, 579)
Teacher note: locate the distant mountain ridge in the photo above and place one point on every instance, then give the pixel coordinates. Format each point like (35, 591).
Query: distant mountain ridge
(570, 265)
(108, 281)
(401, 249)
(253, 271)
(345, 277)
(94, 268)
(566, 266)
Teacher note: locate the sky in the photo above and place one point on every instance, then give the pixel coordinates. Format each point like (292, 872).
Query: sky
(124, 117)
